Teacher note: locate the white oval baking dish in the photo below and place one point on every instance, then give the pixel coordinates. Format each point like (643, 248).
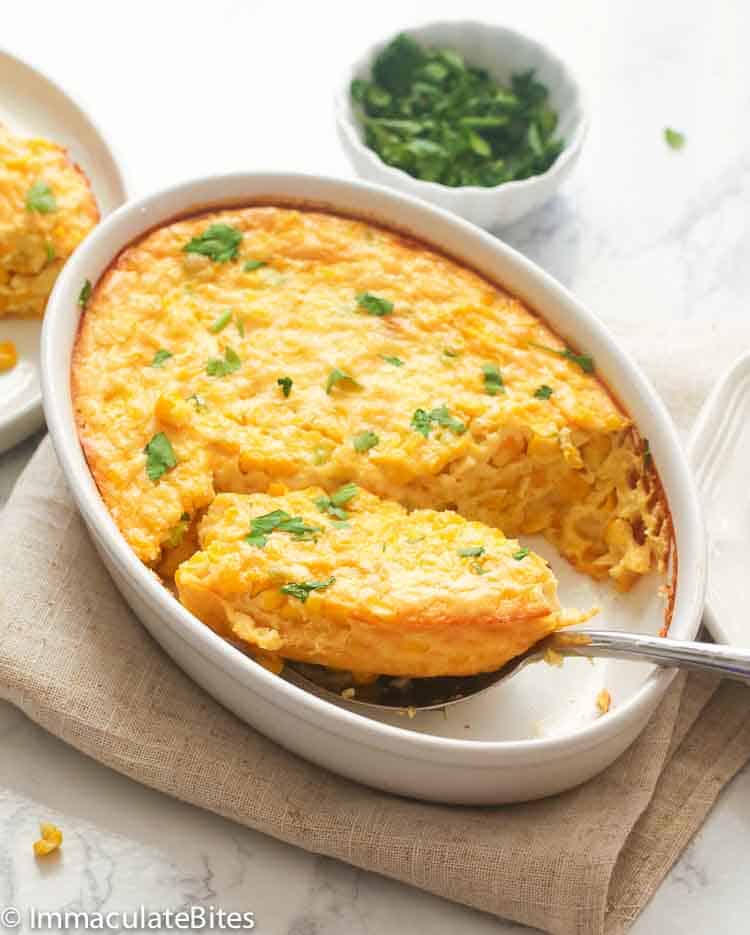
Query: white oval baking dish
(392, 757)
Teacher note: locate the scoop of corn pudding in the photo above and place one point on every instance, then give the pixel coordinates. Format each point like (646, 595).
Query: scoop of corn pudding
(46, 209)
(352, 581)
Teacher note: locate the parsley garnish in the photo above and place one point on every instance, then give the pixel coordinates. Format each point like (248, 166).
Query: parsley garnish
(40, 198)
(286, 384)
(279, 521)
(302, 589)
(673, 138)
(394, 361)
(493, 379)
(333, 504)
(240, 322)
(374, 305)
(543, 392)
(338, 376)
(177, 532)
(450, 352)
(161, 357)
(585, 362)
(473, 551)
(216, 367)
(221, 322)
(49, 249)
(365, 440)
(219, 242)
(431, 114)
(250, 265)
(160, 456)
(520, 554)
(85, 294)
(422, 421)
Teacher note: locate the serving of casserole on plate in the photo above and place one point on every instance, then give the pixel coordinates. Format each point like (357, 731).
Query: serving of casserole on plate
(315, 411)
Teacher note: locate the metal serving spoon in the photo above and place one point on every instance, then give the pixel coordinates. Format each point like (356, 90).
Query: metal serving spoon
(424, 694)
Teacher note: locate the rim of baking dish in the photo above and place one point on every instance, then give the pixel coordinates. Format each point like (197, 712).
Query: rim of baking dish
(349, 126)
(375, 204)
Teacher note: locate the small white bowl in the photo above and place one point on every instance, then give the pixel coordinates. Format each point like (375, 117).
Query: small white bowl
(502, 52)
(394, 755)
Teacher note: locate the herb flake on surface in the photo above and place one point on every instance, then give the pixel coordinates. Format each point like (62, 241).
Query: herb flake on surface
(219, 242)
(261, 528)
(160, 456)
(301, 590)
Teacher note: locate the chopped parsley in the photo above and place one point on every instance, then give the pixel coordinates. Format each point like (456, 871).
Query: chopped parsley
(160, 456)
(674, 139)
(161, 357)
(374, 305)
(473, 551)
(423, 421)
(216, 367)
(240, 322)
(520, 554)
(493, 379)
(394, 361)
(177, 532)
(49, 249)
(85, 294)
(221, 322)
(40, 198)
(338, 376)
(219, 242)
(286, 384)
(439, 118)
(334, 504)
(584, 361)
(279, 521)
(251, 265)
(365, 441)
(302, 589)
(450, 352)
(543, 392)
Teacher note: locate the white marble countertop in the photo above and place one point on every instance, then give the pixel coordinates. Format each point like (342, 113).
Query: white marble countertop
(185, 88)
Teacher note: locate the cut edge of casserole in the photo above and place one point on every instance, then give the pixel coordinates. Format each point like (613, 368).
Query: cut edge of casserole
(385, 591)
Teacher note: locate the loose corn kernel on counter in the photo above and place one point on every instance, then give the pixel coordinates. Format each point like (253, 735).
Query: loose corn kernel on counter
(234, 351)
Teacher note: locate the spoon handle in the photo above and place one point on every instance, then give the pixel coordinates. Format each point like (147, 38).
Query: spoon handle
(727, 661)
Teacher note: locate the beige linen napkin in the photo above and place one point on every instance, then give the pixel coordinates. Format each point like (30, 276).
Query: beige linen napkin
(77, 662)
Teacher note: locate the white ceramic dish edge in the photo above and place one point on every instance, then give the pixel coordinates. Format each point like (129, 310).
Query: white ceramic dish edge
(488, 207)
(422, 766)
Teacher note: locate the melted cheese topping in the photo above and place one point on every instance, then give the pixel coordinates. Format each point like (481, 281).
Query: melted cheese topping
(35, 245)
(570, 466)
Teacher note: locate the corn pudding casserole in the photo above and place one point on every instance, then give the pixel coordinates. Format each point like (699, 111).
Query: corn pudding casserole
(46, 209)
(256, 362)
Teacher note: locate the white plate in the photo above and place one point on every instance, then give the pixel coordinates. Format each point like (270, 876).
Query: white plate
(720, 453)
(33, 105)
